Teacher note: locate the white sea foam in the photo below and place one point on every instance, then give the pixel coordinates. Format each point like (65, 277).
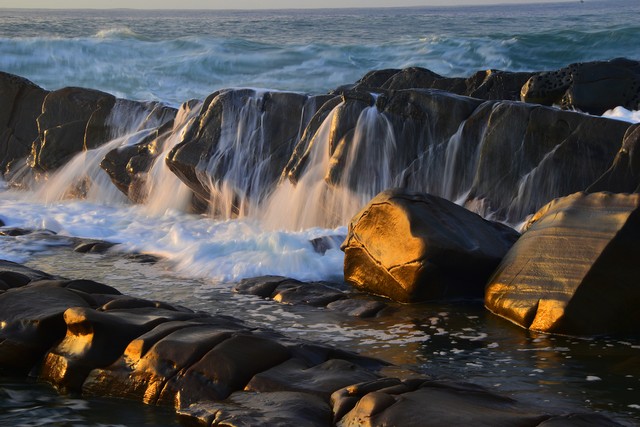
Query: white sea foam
(197, 246)
(621, 113)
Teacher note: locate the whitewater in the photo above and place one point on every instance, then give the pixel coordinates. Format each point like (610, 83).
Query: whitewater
(176, 56)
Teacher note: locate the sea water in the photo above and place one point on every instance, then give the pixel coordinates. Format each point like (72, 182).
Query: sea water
(174, 56)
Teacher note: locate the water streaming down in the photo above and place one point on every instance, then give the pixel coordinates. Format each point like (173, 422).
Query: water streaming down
(163, 190)
(233, 172)
(339, 177)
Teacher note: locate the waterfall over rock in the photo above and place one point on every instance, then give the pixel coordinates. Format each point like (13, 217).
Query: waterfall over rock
(295, 161)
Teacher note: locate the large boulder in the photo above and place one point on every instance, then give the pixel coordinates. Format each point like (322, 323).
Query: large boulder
(624, 174)
(500, 158)
(63, 122)
(237, 147)
(20, 105)
(592, 87)
(575, 270)
(527, 155)
(409, 403)
(410, 247)
(32, 312)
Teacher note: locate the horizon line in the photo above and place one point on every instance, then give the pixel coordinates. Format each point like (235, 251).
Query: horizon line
(443, 5)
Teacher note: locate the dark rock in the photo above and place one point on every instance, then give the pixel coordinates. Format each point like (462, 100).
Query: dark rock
(131, 302)
(228, 367)
(624, 174)
(300, 156)
(413, 78)
(528, 155)
(505, 159)
(592, 87)
(263, 286)
(250, 164)
(215, 370)
(322, 379)
(20, 105)
(324, 243)
(386, 402)
(487, 84)
(153, 358)
(375, 79)
(318, 294)
(94, 247)
(496, 84)
(32, 322)
(277, 409)
(314, 294)
(96, 339)
(574, 271)
(128, 164)
(91, 287)
(7, 268)
(15, 231)
(62, 125)
(357, 307)
(411, 247)
(143, 258)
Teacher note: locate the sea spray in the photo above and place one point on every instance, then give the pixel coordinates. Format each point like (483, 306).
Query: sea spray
(128, 123)
(162, 188)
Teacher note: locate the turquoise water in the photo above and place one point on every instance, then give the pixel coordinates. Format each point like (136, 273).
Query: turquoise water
(173, 56)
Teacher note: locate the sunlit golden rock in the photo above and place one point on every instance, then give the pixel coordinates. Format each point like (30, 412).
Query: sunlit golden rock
(410, 247)
(575, 270)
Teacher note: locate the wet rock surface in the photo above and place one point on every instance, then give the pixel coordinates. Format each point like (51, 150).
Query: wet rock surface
(411, 126)
(20, 105)
(333, 296)
(574, 270)
(83, 336)
(206, 155)
(624, 174)
(412, 247)
(592, 87)
(389, 401)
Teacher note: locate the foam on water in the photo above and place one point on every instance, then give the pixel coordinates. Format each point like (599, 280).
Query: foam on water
(195, 245)
(621, 113)
(173, 56)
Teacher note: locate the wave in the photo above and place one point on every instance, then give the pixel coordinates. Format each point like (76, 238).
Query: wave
(120, 62)
(118, 33)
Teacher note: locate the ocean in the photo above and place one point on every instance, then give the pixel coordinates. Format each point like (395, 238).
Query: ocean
(176, 55)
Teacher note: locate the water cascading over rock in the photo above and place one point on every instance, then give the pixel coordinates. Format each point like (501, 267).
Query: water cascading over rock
(297, 161)
(236, 148)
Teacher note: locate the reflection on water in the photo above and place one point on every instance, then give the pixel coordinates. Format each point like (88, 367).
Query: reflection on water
(24, 403)
(459, 341)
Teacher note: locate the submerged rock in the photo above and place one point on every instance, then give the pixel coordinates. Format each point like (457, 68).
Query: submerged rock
(411, 247)
(575, 269)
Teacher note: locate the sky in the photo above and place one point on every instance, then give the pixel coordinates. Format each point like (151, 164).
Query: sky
(240, 4)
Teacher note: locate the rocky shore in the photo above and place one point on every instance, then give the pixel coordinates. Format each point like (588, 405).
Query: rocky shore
(410, 142)
(85, 337)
